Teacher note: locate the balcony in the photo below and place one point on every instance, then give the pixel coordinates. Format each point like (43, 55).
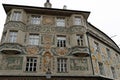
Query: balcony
(80, 51)
(10, 48)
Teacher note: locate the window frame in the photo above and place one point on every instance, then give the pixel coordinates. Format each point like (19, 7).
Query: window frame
(77, 20)
(60, 21)
(101, 68)
(31, 64)
(34, 39)
(16, 16)
(96, 47)
(80, 40)
(13, 36)
(62, 65)
(35, 20)
(61, 41)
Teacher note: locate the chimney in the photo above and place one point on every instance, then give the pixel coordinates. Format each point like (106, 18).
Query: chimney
(64, 7)
(47, 4)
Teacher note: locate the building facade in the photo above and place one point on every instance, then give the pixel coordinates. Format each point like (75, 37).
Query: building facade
(40, 43)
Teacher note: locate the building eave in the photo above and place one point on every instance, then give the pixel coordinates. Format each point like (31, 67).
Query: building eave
(43, 10)
(115, 46)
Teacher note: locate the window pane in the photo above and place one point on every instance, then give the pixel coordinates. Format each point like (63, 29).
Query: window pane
(13, 36)
(80, 40)
(61, 41)
(33, 39)
(16, 16)
(31, 64)
(62, 65)
(35, 20)
(77, 21)
(60, 22)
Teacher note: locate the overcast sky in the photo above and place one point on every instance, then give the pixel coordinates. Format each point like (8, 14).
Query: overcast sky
(105, 14)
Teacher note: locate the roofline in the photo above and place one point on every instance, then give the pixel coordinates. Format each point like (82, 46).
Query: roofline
(104, 34)
(41, 8)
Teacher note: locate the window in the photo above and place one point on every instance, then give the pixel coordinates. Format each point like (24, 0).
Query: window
(117, 57)
(96, 47)
(113, 72)
(31, 64)
(33, 39)
(62, 64)
(4, 37)
(60, 22)
(13, 36)
(108, 53)
(77, 21)
(101, 68)
(80, 40)
(16, 16)
(35, 20)
(61, 41)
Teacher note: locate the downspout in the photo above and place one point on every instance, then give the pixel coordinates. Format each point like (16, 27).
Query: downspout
(90, 52)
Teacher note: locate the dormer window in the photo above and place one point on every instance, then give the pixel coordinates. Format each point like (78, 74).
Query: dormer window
(35, 19)
(77, 21)
(60, 22)
(16, 16)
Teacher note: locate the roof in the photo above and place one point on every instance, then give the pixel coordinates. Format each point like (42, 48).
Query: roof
(43, 10)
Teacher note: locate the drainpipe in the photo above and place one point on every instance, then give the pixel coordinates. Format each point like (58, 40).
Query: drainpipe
(90, 52)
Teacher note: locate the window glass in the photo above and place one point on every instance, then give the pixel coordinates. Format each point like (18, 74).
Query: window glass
(101, 68)
(31, 64)
(62, 64)
(77, 21)
(16, 16)
(80, 40)
(33, 39)
(61, 41)
(35, 20)
(60, 22)
(13, 36)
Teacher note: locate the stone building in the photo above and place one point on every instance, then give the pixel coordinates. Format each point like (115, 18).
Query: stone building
(40, 43)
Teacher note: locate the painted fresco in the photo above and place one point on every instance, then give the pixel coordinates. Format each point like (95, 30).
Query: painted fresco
(11, 63)
(79, 64)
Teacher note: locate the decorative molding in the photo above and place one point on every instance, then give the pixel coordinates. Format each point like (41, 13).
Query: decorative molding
(14, 25)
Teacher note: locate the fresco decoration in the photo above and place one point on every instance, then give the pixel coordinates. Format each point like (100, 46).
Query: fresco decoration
(79, 64)
(47, 58)
(61, 51)
(48, 20)
(11, 63)
(32, 50)
(33, 28)
(15, 25)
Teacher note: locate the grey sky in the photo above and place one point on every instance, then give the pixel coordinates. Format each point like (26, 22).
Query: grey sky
(105, 14)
